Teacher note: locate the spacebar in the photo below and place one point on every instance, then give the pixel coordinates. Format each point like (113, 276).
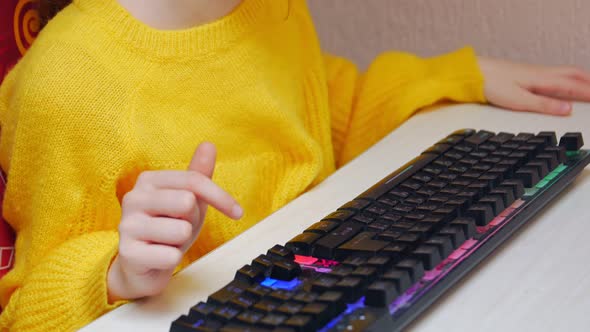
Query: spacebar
(400, 175)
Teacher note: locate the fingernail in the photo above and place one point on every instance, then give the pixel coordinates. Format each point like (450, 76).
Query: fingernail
(565, 108)
(237, 211)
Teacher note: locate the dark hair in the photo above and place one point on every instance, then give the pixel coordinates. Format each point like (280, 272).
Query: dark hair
(49, 8)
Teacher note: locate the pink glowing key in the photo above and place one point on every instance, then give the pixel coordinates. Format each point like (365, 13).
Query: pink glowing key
(468, 244)
(497, 221)
(506, 212)
(305, 260)
(518, 203)
(457, 254)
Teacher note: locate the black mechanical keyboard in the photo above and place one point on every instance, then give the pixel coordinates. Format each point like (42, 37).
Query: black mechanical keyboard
(381, 259)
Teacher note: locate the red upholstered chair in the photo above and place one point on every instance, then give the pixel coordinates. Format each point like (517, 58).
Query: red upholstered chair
(19, 24)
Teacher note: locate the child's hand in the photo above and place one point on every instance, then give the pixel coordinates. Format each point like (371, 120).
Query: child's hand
(161, 217)
(534, 88)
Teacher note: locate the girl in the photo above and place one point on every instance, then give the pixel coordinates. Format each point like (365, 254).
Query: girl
(101, 117)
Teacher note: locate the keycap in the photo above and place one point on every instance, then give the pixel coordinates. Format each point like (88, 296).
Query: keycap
(467, 224)
(305, 297)
(516, 185)
(397, 177)
(354, 261)
(558, 152)
(301, 323)
(241, 327)
(366, 273)
(243, 301)
(376, 209)
(523, 137)
(263, 262)
(289, 308)
(250, 317)
(443, 244)
(266, 305)
(400, 278)
(352, 288)
(541, 167)
(280, 252)
(501, 138)
(225, 313)
(479, 138)
(572, 141)
(505, 193)
(528, 175)
(481, 213)
(285, 270)
(201, 311)
(496, 202)
(323, 283)
(226, 293)
(302, 243)
(272, 320)
(249, 274)
(322, 227)
(356, 205)
(183, 324)
(380, 294)
(429, 256)
(257, 291)
(455, 233)
(319, 311)
(549, 158)
(380, 263)
(281, 295)
(549, 137)
(335, 301)
(362, 245)
(325, 247)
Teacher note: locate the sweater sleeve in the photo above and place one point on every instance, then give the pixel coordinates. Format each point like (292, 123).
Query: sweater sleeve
(366, 107)
(63, 246)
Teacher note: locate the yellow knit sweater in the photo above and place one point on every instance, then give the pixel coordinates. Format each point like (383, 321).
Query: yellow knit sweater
(100, 98)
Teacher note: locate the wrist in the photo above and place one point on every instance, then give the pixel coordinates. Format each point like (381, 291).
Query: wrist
(116, 282)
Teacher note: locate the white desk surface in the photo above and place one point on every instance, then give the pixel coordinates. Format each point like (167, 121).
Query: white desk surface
(539, 280)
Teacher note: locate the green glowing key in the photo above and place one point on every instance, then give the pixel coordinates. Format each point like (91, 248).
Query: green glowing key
(542, 183)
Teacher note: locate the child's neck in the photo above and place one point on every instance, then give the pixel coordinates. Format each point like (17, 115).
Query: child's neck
(178, 14)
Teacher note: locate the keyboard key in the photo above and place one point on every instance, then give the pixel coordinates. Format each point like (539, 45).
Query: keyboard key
(414, 267)
(356, 205)
(302, 243)
(528, 175)
(380, 294)
(481, 213)
(467, 224)
(444, 245)
(403, 173)
(250, 317)
(272, 320)
(378, 226)
(541, 167)
(395, 251)
(225, 313)
(571, 141)
(361, 245)
(549, 158)
(322, 227)
(290, 308)
(354, 261)
(228, 292)
(366, 273)
(243, 301)
(558, 152)
(266, 305)
(249, 274)
(479, 138)
(438, 149)
(258, 291)
(391, 217)
(389, 236)
(429, 256)
(340, 215)
(325, 247)
(496, 202)
(549, 137)
(201, 311)
(516, 185)
(281, 295)
(352, 288)
(182, 324)
(505, 193)
(342, 271)
(319, 311)
(281, 252)
(388, 201)
(523, 137)
(399, 277)
(334, 300)
(285, 270)
(363, 219)
(501, 138)
(454, 233)
(305, 297)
